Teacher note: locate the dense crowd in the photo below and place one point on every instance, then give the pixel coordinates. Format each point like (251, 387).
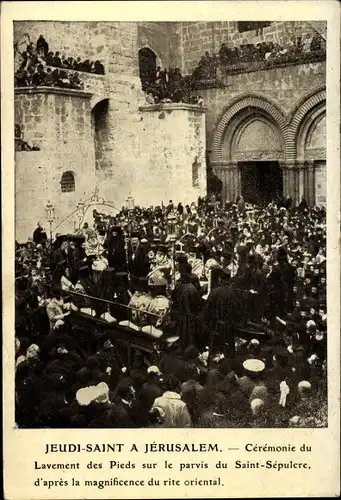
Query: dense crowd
(165, 86)
(268, 53)
(41, 67)
(231, 296)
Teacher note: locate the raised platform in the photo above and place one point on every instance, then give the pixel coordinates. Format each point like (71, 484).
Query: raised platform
(52, 90)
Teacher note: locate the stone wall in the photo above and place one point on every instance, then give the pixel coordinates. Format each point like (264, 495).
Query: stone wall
(163, 39)
(285, 86)
(59, 122)
(172, 155)
(199, 37)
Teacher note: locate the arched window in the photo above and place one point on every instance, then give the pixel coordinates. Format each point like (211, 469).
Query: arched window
(147, 65)
(67, 182)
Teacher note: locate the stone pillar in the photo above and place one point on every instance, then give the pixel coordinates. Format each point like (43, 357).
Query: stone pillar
(310, 183)
(233, 186)
(229, 174)
(290, 173)
(307, 182)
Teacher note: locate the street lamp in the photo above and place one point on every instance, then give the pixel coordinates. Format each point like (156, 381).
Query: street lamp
(130, 202)
(50, 216)
(80, 212)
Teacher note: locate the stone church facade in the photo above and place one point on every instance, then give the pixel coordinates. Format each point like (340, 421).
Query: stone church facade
(254, 119)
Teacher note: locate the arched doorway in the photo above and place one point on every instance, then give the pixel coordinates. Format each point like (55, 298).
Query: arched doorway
(249, 150)
(308, 134)
(256, 147)
(147, 66)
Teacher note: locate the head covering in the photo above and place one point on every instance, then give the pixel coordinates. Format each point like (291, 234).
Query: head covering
(254, 365)
(304, 387)
(157, 281)
(310, 324)
(95, 393)
(256, 406)
(153, 370)
(32, 351)
(171, 340)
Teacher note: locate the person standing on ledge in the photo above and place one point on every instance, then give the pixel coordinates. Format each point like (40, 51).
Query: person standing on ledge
(39, 235)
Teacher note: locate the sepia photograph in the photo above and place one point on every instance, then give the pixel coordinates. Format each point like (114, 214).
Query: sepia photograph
(170, 224)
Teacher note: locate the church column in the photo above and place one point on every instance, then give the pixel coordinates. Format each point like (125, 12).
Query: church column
(307, 170)
(233, 183)
(219, 171)
(290, 174)
(310, 183)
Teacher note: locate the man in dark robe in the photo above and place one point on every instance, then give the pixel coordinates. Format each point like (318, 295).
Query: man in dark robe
(39, 235)
(186, 306)
(219, 315)
(138, 261)
(288, 275)
(114, 243)
(60, 254)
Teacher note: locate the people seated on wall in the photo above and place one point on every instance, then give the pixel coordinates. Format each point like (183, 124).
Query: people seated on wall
(262, 51)
(40, 54)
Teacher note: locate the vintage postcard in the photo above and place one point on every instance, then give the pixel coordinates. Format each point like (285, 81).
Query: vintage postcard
(171, 249)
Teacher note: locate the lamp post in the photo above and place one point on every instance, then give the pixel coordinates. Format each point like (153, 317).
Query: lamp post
(50, 217)
(130, 202)
(80, 212)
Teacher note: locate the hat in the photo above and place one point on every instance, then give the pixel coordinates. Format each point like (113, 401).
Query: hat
(304, 387)
(86, 395)
(161, 248)
(256, 405)
(78, 238)
(61, 238)
(135, 234)
(153, 370)
(83, 269)
(157, 281)
(94, 393)
(254, 365)
(102, 390)
(171, 340)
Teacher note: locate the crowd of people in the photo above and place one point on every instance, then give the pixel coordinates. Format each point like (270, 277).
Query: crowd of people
(266, 53)
(163, 86)
(231, 296)
(41, 67)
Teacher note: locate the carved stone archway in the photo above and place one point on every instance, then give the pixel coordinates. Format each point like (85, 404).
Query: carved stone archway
(255, 101)
(305, 116)
(306, 106)
(231, 125)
